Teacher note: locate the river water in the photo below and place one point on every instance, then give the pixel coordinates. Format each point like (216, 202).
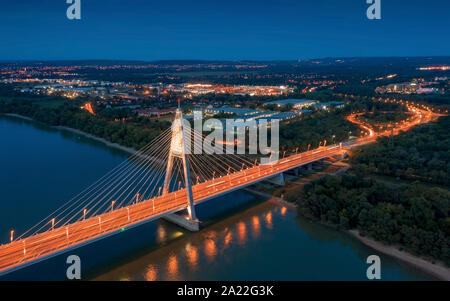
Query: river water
(243, 237)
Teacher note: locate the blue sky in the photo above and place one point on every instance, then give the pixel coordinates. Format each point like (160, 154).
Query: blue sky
(229, 30)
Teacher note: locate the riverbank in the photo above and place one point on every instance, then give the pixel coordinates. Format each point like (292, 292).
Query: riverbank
(78, 132)
(271, 198)
(438, 269)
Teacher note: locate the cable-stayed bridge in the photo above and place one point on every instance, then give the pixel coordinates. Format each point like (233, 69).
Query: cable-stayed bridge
(157, 181)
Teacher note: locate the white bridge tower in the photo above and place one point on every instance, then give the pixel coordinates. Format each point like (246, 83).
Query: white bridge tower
(178, 150)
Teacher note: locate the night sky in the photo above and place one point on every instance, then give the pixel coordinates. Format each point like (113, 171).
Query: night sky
(223, 30)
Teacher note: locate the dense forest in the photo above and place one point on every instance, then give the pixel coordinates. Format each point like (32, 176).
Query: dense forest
(413, 215)
(314, 129)
(420, 154)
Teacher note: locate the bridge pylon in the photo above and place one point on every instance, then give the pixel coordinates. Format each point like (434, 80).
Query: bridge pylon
(178, 150)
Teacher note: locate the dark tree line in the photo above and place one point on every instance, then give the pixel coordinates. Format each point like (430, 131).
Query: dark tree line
(132, 134)
(414, 216)
(420, 154)
(314, 129)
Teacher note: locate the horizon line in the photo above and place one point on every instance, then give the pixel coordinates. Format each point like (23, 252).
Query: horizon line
(223, 60)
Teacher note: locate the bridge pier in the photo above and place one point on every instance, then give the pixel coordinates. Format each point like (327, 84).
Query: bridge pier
(277, 180)
(183, 221)
(310, 166)
(296, 171)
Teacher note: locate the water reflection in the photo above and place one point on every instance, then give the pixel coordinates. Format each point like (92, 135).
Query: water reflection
(227, 239)
(161, 234)
(151, 273)
(210, 248)
(192, 255)
(269, 220)
(172, 266)
(242, 232)
(256, 226)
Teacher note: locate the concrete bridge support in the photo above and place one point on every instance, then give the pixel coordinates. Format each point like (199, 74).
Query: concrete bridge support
(277, 180)
(178, 150)
(184, 222)
(295, 171)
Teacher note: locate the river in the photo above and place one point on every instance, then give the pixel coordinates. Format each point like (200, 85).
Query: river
(243, 237)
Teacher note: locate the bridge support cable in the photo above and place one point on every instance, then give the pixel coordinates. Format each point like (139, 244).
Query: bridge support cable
(82, 194)
(78, 203)
(128, 183)
(209, 165)
(103, 197)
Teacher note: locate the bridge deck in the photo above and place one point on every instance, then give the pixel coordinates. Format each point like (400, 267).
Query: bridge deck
(52, 242)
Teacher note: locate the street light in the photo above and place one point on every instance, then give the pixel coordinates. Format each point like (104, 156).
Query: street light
(12, 235)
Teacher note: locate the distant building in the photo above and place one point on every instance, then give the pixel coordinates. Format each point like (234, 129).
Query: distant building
(255, 119)
(296, 103)
(427, 90)
(281, 116)
(228, 110)
(148, 112)
(326, 105)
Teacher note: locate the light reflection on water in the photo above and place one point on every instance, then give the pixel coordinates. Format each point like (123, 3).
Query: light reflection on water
(151, 273)
(269, 220)
(228, 238)
(192, 255)
(256, 226)
(241, 232)
(172, 267)
(248, 245)
(161, 234)
(195, 251)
